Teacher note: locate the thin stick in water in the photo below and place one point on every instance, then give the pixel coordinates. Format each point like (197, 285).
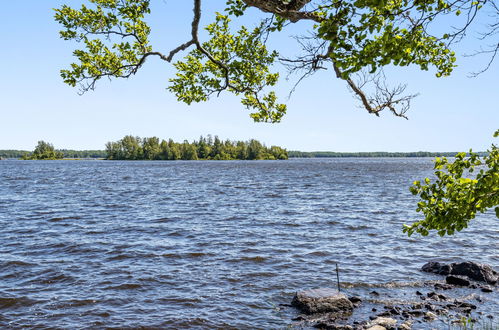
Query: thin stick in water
(338, 277)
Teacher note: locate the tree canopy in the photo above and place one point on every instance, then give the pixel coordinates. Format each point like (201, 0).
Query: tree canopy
(354, 38)
(454, 199)
(213, 148)
(44, 151)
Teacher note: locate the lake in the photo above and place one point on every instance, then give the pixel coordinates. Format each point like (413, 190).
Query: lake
(210, 244)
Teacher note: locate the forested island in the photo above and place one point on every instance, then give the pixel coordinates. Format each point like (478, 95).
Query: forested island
(136, 148)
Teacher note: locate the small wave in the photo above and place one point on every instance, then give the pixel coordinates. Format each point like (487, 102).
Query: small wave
(289, 212)
(15, 263)
(414, 284)
(255, 259)
(161, 220)
(291, 224)
(355, 228)
(194, 323)
(319, 254)
(54, 278)
(125, 286)
(171, 255)
(197, 254)
(8, 302)
(57, 219)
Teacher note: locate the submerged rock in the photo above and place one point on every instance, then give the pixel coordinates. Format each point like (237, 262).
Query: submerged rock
(323, 300)
(473, 270)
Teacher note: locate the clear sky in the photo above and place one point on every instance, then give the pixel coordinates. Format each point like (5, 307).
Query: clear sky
(451, 114)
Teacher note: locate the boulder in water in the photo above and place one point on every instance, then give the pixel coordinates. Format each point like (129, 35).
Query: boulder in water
(323, 300)
(473, 270)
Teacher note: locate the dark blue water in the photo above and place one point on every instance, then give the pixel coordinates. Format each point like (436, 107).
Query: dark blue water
(208, 244)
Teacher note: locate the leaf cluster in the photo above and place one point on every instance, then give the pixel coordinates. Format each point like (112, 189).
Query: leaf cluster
(240, 64)
(458, 194)
(114, 35)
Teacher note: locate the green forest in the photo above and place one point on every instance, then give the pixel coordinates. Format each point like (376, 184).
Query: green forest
(136, 148)
(330, 154)
(65, 152)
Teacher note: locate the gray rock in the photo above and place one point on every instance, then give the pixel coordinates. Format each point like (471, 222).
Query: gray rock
(407, 325)
(385, 322)
(473, 270)
(429, 316)
(323, 300)
(376, 327)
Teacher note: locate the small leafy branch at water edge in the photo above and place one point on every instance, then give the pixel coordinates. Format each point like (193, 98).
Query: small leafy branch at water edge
(453, 200)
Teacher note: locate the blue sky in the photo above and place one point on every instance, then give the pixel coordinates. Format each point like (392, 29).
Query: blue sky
(451, 114)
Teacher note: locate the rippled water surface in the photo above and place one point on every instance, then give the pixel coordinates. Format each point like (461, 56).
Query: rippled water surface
(207, 244)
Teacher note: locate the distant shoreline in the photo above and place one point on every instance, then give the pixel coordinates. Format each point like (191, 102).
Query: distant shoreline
(15, 154)
(375, 154)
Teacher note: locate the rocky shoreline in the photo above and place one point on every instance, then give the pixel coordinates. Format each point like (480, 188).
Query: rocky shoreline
(453, 302)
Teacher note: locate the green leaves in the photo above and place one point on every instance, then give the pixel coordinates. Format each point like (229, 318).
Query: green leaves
(454, 199)
(352, 34)
(97, 28)
(378, 39)
(242, 67)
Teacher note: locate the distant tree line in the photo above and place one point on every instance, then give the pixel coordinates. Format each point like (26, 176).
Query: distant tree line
(329, 154)
(136, 148)
(66, 153)
(83, 153)
(13, 153)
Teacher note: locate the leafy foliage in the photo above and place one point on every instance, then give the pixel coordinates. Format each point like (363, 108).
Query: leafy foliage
(449, 203)
(350, 36)
(246, 70)
(94, 28)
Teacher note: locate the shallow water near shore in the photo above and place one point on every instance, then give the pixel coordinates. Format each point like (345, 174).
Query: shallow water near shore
(210, 244)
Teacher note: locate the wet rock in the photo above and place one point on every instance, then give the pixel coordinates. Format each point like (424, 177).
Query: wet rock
(385, 322)
(442, 311)
(436, 296)
(457, 280)
(430, 307)
(383, 314)
(407, 325)
(486, 289)
(473, 270)
(416, 313)
(441, 286)
(355, 301)
(332, 326)
(393, 310)
(429, 316)
(376, 327)
(374, 293)
(436, 267)
(463, 304)
(419, 293)
(323, 300)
